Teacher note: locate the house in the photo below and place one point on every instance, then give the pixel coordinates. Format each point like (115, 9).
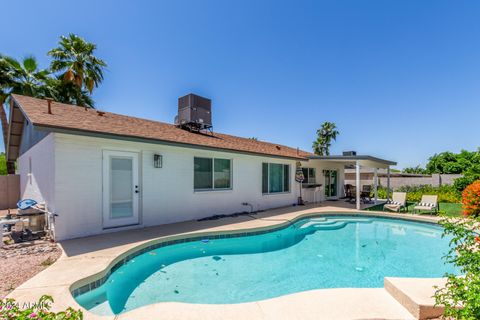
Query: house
(100, 172)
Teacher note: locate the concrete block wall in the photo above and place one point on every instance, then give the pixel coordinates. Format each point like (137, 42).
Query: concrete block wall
(396, 182)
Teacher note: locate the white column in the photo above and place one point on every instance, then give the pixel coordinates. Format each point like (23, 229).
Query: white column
(357, 183)
(375, 184)
(388, 183)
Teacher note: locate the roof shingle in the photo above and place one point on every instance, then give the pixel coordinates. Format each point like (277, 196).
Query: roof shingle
(79, 119)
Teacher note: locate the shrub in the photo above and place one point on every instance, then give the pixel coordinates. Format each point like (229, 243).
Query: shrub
(382, 192)
(461, 294)
(10, 310)
(461, 183)
(471, 200)
(445, 193)
(415, 170)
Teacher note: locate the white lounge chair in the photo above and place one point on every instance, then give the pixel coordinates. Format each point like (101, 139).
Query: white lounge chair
(399, 201)
(428, 203)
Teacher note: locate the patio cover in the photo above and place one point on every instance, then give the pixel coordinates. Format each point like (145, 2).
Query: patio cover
(362, 161)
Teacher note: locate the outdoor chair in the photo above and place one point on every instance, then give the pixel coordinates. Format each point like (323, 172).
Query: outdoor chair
(349, 194)
(428, 203)
(398, 202)
(365, 194)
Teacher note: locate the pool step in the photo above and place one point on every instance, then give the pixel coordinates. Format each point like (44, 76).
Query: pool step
(415, 295)
(317, 223)
(333, 226)
(332, 223)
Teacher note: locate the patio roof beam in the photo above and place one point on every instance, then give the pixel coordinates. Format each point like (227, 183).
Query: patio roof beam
(365, 160)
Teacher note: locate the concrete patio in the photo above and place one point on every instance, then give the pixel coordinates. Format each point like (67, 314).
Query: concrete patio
(87, 259)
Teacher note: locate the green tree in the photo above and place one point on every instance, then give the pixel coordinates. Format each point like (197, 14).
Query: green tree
(73, 74)
(79, 68)
(67, 92)
(5, 84)
(21, 77)
(449, 162)
(415, 170)
(3, 164)
(25, 77)
(466, 163)
(325, 135)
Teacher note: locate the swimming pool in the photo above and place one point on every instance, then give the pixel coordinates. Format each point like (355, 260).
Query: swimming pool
(335, 251)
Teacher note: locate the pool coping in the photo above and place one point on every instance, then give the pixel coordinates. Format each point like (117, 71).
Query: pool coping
(72, 272)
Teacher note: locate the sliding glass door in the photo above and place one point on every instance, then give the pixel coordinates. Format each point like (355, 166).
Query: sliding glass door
(331, 184)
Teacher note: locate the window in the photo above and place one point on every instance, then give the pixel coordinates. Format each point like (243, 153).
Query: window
(275, 178)
(212, 174)
(309, 175)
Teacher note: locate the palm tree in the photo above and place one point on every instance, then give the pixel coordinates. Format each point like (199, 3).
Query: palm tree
(325, 135)
(22, 77)
(5, 84)
(67, 92)
(77, 64)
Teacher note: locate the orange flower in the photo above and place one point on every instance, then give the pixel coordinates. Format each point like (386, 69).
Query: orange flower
(471, 199)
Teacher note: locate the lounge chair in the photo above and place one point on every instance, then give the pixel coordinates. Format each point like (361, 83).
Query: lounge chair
(428, 203)
(399, 201)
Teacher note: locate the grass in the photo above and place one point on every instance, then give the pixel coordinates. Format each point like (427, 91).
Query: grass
(448, 209)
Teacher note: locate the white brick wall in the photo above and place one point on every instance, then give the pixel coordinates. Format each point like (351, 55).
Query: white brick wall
(37, 172)
(67, 174)
(167, 193)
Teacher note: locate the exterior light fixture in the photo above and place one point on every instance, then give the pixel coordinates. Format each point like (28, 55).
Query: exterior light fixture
(157, 161)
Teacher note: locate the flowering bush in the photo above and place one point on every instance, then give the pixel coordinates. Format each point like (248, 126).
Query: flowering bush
(461, 294)
(40, 310)
(471, 199)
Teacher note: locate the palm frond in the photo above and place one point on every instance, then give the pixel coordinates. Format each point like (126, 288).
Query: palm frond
(30, 64)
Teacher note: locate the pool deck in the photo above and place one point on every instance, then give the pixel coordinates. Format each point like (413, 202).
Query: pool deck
(87, 259)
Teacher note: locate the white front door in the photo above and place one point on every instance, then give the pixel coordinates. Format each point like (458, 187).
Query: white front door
(120, 188)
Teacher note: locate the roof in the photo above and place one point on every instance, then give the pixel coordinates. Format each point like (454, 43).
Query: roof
(86, 121)
(363, 159)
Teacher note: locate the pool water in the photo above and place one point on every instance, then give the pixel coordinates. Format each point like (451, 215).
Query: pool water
(325, 252)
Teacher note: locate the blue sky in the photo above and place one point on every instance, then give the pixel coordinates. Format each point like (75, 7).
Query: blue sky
(401, 79)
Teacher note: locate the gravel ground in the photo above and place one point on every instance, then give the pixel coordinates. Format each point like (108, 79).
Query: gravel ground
(20, 262)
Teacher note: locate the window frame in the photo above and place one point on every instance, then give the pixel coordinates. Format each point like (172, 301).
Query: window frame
(283, 179)
(308, 175)
(212, 159)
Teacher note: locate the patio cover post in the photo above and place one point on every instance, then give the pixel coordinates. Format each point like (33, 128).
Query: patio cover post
(357, 183)
(388, 183)
(375, 185)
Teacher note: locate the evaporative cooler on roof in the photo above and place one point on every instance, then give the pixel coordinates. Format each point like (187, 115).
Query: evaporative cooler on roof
(194, 113)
